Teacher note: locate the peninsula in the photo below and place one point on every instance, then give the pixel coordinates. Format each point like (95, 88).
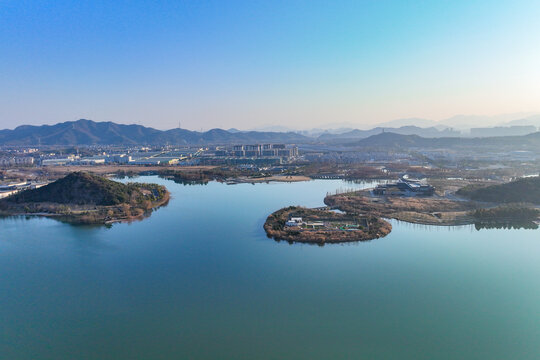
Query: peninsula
(512, 203)
(84, 198)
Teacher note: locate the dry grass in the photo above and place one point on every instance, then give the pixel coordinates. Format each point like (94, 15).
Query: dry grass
(421, 210)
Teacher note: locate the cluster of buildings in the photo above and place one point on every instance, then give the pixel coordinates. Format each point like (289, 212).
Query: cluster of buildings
(298, 221)
(250, 155)
(135, 158)
(405, 187)
(351, 225)
(516, 130)
(259, 150)
(347, 156)
(16, 161)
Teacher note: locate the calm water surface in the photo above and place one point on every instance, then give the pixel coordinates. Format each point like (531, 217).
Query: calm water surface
(199, 279)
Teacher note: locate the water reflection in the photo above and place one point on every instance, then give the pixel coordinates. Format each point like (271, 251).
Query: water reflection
(515, 225)
(433, 228)
(200, 280)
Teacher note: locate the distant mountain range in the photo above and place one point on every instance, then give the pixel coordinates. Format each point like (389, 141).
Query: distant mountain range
(398, 141)
(88, 132)
(461, 123)
(404, 130)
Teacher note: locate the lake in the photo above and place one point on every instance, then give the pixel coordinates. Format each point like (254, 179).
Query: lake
(199, 279)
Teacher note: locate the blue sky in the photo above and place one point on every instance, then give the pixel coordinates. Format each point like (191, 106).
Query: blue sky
(246, 64)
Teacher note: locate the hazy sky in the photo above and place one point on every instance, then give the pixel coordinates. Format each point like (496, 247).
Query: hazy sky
(246, 64)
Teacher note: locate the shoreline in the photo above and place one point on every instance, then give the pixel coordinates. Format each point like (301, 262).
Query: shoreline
(268, 179)
(429, 211)
(316, 226)
(80, 216)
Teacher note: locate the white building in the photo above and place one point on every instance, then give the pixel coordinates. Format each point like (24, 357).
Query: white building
(294, 221)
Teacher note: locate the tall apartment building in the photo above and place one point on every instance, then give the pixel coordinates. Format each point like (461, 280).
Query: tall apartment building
(260, 150)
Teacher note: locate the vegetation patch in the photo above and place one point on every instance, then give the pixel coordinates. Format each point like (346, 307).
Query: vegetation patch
(85, 198)
(507, 216)
(420, 210)
(299, 224)
(448, 210)
(525, 190)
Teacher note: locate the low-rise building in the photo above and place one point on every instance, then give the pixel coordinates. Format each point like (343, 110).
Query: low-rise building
(13, 188)
(53, 162)
(294, 221)
(405, 187)
(17, 161)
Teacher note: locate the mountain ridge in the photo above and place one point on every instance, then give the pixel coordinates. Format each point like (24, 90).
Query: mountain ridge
(88, 132)
(393, 140)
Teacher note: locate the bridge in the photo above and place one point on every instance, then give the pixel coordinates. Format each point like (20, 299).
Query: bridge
(327, 176)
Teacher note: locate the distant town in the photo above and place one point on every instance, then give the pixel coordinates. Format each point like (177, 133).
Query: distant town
(413, 164)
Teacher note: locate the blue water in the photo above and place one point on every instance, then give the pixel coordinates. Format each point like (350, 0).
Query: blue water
(199, 279)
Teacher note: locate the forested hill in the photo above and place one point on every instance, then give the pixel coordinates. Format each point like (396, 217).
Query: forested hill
(526, 190)
(80, 188)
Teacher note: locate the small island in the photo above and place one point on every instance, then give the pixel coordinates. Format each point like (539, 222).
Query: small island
(321, 226)
(84, 198)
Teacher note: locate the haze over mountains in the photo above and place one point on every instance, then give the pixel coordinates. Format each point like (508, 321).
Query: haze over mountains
(398, 141)
(88, 132)
(458, 123)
